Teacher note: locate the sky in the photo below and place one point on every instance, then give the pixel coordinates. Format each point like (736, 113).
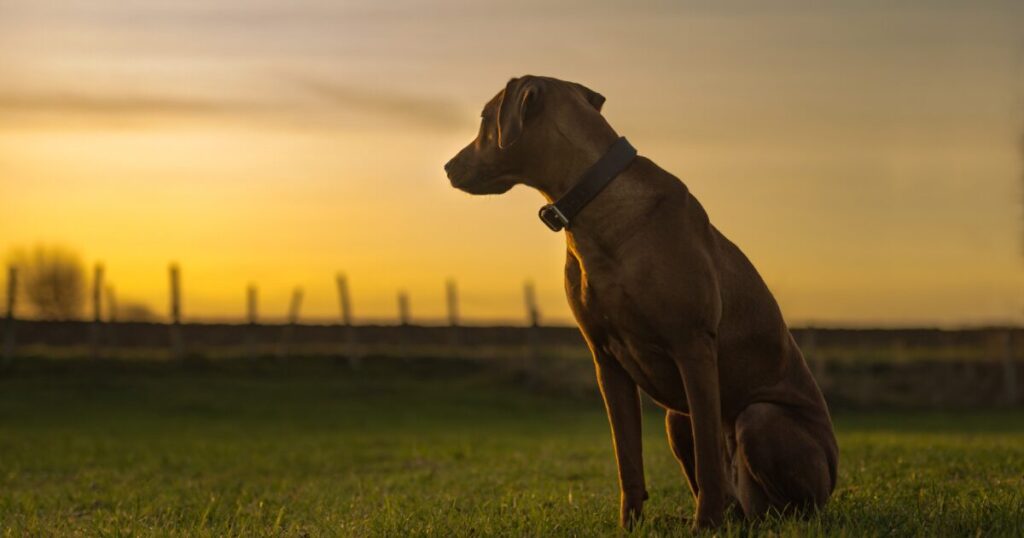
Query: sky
(865, 155)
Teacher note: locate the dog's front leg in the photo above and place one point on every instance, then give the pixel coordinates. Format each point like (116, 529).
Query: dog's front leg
(622, 401)
(698, 364)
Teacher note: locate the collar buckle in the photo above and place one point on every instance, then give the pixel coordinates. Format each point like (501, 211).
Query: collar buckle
(615, 160)
(553, 217)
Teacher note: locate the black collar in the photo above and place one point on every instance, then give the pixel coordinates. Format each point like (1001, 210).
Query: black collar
(614, 161)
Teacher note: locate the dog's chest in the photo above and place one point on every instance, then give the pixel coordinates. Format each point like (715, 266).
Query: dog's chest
(615, 325)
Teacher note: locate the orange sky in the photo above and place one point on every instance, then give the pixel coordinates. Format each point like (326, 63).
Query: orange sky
(866, 158)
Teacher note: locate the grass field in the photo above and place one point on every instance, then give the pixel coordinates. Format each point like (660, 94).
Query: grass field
(438, 448)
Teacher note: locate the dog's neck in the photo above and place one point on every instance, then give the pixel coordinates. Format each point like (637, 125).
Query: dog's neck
(556, 177)
(611, 216)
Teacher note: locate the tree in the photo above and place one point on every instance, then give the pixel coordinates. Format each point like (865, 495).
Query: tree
(51, 280)
(137, 313)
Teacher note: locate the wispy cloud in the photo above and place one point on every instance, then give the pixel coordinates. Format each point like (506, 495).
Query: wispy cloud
(331, 104)
(116, 104)
(422, 110)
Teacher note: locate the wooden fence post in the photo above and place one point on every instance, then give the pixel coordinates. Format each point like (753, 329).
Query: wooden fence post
(252, 316)
(293, 320)
(403, 309)
(403, 322)
(111, 319)
(532, 311)
(343, 299)
(452, 299)
(251, 305)
(533, 325)
(12, 295)
(1009, 368)
(111, 304)
(177, 341)
(97, 311)
(293, 308)
(345, 303)
(452, 296)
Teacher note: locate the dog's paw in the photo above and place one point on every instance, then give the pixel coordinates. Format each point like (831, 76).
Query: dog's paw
(631, 508)
(710, 514)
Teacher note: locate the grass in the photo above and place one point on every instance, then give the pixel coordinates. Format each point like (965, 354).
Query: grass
(438, 448)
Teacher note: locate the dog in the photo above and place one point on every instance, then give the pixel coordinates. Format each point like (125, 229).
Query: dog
(667, 306)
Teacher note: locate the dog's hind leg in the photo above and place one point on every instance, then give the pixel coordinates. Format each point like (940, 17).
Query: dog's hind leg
(783, 462)
(680, 438)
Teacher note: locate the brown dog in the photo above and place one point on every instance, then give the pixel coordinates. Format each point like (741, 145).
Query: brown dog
(667, 305)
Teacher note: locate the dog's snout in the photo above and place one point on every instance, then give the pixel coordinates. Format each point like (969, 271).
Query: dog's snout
(449, 166)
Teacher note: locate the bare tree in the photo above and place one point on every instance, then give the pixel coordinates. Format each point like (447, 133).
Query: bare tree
(136, 312)
(52, 281)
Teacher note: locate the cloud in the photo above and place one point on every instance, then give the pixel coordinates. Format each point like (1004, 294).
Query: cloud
(112, 104)
(330, 104)
(422, 110)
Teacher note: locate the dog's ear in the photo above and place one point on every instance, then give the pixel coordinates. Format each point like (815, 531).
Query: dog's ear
(595, 99)
(518, 100)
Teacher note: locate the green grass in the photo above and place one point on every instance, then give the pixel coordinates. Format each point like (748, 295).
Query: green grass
(404, 448)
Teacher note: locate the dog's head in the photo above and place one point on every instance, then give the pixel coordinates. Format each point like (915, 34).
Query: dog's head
(518, 126)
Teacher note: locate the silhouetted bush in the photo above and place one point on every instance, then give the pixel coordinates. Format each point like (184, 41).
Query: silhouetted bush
(51, 281)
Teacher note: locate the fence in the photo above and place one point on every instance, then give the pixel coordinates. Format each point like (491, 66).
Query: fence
(855, 366)
(178, 343)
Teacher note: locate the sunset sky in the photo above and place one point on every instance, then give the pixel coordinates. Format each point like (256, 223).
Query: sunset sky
(865, 155)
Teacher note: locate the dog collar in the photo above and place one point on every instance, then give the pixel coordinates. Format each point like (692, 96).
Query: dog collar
(614, 161)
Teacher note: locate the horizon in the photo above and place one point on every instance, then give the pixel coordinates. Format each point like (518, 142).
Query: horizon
(868, 159)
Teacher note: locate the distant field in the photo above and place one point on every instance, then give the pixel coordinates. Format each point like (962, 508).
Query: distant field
(437, 448)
